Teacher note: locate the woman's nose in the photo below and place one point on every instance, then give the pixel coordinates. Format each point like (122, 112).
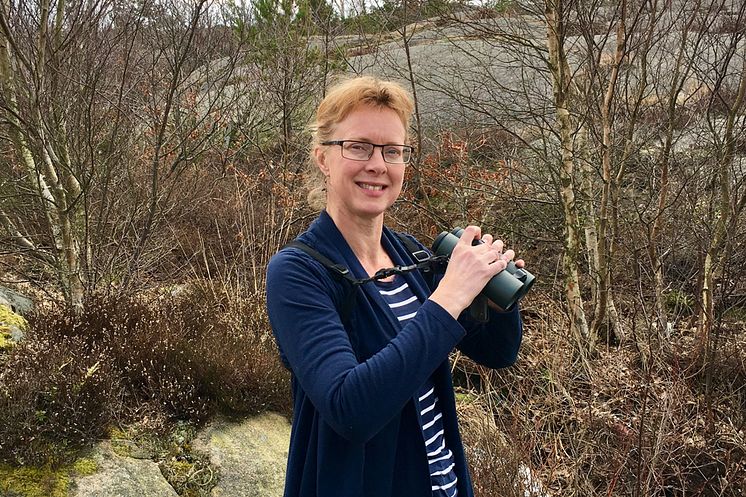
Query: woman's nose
(376, 162)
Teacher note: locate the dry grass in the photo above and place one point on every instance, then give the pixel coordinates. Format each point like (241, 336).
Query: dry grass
(625, 431)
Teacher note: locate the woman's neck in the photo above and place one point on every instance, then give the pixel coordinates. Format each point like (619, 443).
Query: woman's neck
(363, 235)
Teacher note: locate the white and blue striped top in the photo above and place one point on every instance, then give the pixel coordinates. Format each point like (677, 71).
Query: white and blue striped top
(404, 304)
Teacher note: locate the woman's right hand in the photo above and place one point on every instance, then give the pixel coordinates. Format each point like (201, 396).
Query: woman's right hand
(469, 269)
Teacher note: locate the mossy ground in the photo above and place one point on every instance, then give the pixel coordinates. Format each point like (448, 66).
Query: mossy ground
(84, 467)
(189, 472)
(29, 481)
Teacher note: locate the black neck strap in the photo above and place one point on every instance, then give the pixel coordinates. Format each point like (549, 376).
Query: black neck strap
(432, 263)
(425, 262)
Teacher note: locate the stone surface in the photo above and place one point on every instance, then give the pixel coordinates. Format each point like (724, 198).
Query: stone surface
(250, 455)
(15, 301)
(12, 326)
(122, 477)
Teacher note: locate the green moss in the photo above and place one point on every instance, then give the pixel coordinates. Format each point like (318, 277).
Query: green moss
(29, 481)
(122, 447)
(9, 318)
(679, 302)
(189, 473)
(85, 466)
(135, 443)
(124, 444)
(465, 397)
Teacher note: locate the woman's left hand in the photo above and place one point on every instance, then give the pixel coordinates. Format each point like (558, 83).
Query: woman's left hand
(498, 246)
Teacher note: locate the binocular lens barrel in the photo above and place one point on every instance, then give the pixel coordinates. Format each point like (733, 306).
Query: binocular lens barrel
(506, 287)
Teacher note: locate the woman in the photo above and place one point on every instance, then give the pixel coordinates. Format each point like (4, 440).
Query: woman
(374, 410)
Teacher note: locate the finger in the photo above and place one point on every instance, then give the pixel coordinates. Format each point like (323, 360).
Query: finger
(470, 234)
(487, 239)
(519, 263)
(498, 245)
(498, 265)
(508, 255)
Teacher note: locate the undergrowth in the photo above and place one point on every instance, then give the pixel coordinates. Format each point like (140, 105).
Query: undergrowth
(655, 428)
(162, 358)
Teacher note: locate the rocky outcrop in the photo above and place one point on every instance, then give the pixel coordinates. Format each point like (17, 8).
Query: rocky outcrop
(15, 301)
(12, 326)
(250, 456)
(121, 476)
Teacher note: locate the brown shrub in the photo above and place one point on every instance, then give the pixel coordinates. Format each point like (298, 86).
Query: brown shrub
(632, 428)
(55, 398)
(179, 357)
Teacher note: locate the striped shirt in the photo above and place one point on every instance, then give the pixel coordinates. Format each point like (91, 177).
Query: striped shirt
(404, 304)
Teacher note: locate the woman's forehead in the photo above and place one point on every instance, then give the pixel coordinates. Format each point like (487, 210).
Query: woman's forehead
(367, 119)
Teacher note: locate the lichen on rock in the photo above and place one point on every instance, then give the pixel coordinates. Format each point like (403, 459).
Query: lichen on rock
(13, 327)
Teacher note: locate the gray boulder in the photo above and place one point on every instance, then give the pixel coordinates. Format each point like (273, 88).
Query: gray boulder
(122, 477)
(12, 326)
(15, 301)
(250, 455)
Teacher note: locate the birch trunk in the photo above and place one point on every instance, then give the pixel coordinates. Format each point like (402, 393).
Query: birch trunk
(58, 197)
(560, 87)
(712, 262)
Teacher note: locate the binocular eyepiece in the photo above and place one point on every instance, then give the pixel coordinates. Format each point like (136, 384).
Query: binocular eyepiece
(506, 287)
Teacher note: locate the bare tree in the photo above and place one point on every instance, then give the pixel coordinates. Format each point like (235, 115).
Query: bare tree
(725, 79)
(39, 137)
(556, 12)
(99, 101)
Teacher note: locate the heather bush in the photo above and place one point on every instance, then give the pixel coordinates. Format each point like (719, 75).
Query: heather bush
(55, 397)
(162, 356)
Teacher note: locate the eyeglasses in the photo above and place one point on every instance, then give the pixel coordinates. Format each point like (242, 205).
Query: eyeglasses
(355, 150)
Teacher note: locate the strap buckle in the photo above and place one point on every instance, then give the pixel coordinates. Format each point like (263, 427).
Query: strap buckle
(421, 256)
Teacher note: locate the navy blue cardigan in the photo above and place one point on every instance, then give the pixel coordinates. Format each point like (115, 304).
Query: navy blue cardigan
(355, 430)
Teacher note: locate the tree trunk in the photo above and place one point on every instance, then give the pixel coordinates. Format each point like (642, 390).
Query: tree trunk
(715, 250)
(604, 316)
(560, 87)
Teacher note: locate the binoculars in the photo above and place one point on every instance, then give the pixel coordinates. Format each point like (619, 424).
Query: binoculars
(506, 287)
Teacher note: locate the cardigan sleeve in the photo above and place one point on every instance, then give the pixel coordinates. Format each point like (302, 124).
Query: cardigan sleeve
(355, 399)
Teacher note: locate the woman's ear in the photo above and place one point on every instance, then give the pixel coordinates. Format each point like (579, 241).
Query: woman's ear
(320, 156)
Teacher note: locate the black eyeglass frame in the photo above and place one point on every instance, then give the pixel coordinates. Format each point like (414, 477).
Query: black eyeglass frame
(342, 142)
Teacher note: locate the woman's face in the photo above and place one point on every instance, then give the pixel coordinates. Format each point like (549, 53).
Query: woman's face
(362, 189)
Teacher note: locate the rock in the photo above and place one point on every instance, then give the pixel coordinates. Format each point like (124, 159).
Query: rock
(12, 326)
(250, 455)
(15, 301)
(122, 477)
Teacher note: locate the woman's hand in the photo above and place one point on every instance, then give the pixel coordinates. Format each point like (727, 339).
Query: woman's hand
(469, 269)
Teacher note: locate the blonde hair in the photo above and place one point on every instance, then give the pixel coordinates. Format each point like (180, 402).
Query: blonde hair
(339, 102)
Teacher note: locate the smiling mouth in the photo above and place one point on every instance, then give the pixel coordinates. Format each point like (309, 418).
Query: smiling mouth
(366, 186)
